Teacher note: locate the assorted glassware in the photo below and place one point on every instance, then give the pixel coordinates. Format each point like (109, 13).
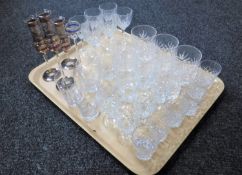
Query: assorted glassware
(129, 79)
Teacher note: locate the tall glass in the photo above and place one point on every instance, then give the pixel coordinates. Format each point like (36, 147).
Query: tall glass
(93, 28)
(109, 10)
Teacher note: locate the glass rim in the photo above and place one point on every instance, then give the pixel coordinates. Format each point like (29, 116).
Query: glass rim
(92, 9)
(40, 12)
(217, 64)
(124, 7)
(101, 6)
(144, 25)
(170, 35)
(193, 47)
(83, 16)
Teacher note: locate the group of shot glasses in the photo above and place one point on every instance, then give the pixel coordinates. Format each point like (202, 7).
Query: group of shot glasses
(144, 84)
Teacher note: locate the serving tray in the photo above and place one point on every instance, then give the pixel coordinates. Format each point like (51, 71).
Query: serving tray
(107, 138)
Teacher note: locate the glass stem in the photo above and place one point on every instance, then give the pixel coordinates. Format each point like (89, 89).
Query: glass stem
(44, 55)
(59, 64)
(76, 49)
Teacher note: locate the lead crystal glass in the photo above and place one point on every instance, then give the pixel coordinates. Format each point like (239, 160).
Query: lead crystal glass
(144, 140)
(93, 26)
(109, 10)
(124, 17)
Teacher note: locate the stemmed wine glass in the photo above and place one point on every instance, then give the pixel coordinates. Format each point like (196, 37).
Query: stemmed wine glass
(124, 17)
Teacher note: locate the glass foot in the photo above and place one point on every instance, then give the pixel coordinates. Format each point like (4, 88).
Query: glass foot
(69, 63)
(69, 81)
(51, 74)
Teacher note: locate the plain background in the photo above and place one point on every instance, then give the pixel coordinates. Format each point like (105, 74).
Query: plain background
(37, 138)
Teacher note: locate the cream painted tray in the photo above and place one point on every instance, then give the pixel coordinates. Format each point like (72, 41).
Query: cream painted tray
(108, 139)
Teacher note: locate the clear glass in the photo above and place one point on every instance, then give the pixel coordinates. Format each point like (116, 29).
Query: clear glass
(205, 77)
(70, 91)
(124, 17)
(175, 112)
(189, 54)
(88, 110)
(212, 68)
(73, 28)
(81, 20)
(143, 50)
(144, 141)
(93, 26)
(167, 43)
(109, 10)
(89, 73)
(144, 32)
(190, 58)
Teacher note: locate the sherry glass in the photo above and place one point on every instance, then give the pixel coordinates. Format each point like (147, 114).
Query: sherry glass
(124, 17)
